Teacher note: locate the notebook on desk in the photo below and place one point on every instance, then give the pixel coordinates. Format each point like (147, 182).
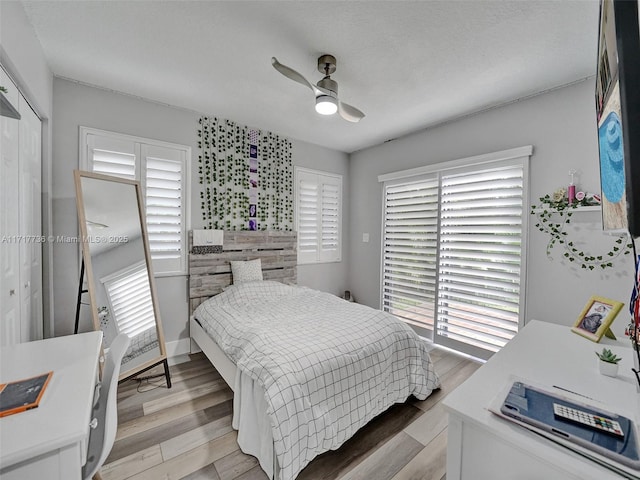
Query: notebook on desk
(603, 436)
(22, 395)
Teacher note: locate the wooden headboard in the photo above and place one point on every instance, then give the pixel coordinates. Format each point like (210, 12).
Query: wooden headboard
(209, 273)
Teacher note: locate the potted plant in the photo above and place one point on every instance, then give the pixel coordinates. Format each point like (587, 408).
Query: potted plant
(608, 362)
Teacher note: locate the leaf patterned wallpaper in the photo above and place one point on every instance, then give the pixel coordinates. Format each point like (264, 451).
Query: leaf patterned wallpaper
(230, 184)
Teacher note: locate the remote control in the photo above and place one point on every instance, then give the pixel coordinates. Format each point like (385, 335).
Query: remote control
(587, 419)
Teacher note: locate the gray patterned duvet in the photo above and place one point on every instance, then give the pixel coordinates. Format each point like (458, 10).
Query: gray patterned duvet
(327, 366)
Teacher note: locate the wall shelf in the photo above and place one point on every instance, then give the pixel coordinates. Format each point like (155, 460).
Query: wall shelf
(552, 222)
(590, 208)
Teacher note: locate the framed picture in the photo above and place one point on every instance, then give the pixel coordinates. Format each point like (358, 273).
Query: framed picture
(596, 318)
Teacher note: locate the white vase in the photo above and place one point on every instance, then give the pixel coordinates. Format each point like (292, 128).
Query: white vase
(608, 369)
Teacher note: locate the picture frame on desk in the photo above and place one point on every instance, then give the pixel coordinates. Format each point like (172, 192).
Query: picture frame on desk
(596, 318)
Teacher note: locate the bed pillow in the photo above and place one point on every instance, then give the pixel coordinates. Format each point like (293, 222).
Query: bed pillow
(248, 271)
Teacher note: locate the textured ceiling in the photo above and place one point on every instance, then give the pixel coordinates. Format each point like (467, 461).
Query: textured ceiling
(407, 65)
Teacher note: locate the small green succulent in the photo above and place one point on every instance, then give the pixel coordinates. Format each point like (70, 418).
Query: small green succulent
(608, 356)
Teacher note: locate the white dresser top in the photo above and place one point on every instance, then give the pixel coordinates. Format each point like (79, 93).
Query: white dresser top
(65, 408)
(549, 355)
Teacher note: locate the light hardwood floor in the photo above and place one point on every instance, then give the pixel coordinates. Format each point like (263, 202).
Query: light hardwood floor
(185, 432)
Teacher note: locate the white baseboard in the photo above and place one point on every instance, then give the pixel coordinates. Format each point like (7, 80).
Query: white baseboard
(178, 347)
(194, 347)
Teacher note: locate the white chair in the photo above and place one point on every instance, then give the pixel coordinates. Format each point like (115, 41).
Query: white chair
(105, 411)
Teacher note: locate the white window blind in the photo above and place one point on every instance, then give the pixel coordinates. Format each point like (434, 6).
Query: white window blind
(308, 228)
(410, 252)
(330, 201)
(111, 156)
(161, 169)
(318, 216)
(454, 249)
(164, 177)
(480, 251)
(129, 298)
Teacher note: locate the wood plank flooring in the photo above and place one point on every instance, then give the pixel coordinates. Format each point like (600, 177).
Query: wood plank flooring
(185, 432)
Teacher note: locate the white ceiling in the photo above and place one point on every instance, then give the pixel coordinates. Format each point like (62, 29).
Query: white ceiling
(407, 65)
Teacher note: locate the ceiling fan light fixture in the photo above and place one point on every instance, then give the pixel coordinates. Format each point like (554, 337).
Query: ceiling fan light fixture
(326, 105)
(326, 90)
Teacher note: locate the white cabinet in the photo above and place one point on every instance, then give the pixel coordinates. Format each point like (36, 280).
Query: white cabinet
(50, 442)
(482, 446)
(20, 221)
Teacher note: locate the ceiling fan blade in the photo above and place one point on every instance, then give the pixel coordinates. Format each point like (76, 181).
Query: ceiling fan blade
(349, 113)
(291, 73)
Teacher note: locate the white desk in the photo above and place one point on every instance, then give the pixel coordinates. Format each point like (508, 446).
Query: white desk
(50, 441)
(482, 446)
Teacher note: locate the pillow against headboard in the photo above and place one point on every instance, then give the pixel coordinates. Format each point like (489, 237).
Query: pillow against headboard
(248, 271)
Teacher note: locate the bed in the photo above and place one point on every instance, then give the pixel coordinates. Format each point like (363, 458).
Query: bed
(307, 368)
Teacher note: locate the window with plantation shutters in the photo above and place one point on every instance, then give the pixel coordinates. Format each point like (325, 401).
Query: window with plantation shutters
(318, 216)
(161, 168)
(129, 297)
(453, 257)
(410, 251)
(164, 177)
(112, 158)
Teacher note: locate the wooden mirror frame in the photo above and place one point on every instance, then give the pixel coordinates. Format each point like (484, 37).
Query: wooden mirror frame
(86, 255)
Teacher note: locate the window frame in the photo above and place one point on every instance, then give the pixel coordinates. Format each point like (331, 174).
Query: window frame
(506, 157)
(321, 256)
(140, 176)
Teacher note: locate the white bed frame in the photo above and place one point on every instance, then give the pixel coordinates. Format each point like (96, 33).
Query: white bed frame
(213, 352)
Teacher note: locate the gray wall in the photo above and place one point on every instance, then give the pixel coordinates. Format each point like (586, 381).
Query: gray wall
(561, 127)
(76, 105)
(328, 277)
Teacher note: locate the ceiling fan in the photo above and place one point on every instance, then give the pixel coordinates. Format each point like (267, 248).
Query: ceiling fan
(325, 91)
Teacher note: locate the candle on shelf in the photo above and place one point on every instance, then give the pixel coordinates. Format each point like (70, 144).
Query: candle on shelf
(571, 189)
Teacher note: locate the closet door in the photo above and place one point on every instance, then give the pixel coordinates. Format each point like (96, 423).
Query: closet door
(20, 222)
(30, 225)
(10, 303)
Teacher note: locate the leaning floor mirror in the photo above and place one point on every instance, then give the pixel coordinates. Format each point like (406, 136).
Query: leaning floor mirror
(119, 274)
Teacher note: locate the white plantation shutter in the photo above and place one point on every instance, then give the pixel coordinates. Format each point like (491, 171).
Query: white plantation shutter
(164, 202)
(410, 252)
(481, 227)
(308, 228)
(129, 297)
(161, 169)
(330, 221)
(454, 248)
(318, 216)
(111, 156)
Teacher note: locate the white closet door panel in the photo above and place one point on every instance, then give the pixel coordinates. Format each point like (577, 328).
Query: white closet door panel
(21, 223)
(10, 225)
(30, 224)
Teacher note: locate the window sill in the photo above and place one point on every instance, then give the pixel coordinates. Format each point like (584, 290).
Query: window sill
(303, 264)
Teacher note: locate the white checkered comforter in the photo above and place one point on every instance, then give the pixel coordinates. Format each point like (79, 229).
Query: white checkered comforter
(327, 366)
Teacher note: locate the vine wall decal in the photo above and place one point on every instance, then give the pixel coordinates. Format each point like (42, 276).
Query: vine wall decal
(232, 195)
